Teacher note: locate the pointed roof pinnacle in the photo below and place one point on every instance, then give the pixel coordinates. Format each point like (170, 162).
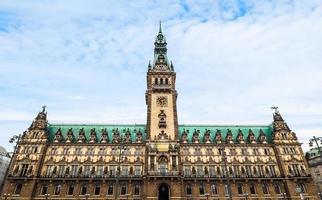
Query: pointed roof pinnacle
(160, 27)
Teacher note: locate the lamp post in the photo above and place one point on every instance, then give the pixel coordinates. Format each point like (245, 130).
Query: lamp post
(316, 140)
(6, 196)
(246, 195)
(127, 196)
(207, 195)
(320, 195)
(224, 157)
(121, 149)
(47, 196)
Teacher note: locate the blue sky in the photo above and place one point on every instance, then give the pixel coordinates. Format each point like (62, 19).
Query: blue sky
(87, 61)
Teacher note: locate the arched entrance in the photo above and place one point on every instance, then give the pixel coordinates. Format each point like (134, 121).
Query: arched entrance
(164, 192)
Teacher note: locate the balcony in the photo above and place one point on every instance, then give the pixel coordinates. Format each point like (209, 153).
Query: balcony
(163, 173)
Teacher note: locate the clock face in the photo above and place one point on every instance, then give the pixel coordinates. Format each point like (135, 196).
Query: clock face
(162, 101)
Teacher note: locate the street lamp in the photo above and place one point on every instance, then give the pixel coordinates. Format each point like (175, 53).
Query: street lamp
(6, 196)
(320, 195)
(207, 195)
(316, 140)
(226, 171)
(47, 196)
(121, 149)
(127, 196)
(246, 195)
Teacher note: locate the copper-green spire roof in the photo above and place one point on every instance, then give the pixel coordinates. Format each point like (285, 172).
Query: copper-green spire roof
(160, 52)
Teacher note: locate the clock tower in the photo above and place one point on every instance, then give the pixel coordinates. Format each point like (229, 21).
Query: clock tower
(161, 95)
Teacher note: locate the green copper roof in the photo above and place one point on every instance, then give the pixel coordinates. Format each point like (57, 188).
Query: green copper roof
(190, 129)
(313, 153)
(53, 128)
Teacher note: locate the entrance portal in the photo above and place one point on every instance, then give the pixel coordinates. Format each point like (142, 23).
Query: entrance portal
(163, 192)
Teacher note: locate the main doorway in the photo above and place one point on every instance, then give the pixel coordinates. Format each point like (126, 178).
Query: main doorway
(164, 192)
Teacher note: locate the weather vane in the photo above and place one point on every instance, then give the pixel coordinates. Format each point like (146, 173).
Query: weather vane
(275, 108)
(43, 108)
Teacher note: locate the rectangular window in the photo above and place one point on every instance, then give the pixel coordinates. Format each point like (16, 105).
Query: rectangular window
(240, 189)
(97, 190)
(125, 171)
(137, 189)
(252, 189)
(110, 190)
(226, 190)
(187, 171)
(84, 190)
(265, 189)
(214, 189)
(44, 190)
(201, 189)
(18, 188)
(123, 190)
(70, 190)
(137, 170)
(152, 163)
(57, 190)
(188, 190)
(174, 162)
(277, 189)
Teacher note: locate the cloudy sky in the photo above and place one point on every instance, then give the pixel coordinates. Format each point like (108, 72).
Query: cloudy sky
(87, 61)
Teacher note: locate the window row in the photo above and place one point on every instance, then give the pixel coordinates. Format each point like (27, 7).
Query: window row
(89, 170)
(29, 149)
(93, 151)
(210, 151)
(85, 189)
(232, 171)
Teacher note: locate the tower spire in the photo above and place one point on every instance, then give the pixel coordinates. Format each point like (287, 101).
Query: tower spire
(160, 61)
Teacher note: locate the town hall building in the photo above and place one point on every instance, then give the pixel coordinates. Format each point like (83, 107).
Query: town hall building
(159, 160)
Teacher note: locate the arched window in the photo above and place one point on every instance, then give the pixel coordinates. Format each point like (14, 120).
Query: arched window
(290, 170)
(277, 188)
(161, 81)
(84, 189)
(110, 190)
(156, 81)
(163, 164)
(166, 81)
(255, 170)
(97, 190)
(70, 190)
(44, 189)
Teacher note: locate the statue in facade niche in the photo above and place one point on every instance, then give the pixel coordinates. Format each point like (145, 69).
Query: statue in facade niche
(58, 136)
(251, 137)
(104, 136)
(240, 137)
(195, 136)
(70, 136)
(92, 138)
(218, 137)
(184, 136)
(207, 138)
(81, 136)
(139, 136)
(229, 137)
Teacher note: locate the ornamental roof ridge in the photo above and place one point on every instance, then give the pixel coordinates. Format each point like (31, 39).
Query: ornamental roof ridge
(228, 125)
(94, 124)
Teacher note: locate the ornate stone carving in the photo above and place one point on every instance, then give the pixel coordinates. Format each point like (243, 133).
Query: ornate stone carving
(251, 137)
(139, 136)
(184, 136)
(218, 137)
(240, 137)
(207, 137)
(229, 137)
(81, 136)
(163, 136)
(262, 137)
(195, 136)
(70, 136)
(104, 136)
(92, 138)
(127, 136)
(58, 136)
(162, 122)
(116, 136)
